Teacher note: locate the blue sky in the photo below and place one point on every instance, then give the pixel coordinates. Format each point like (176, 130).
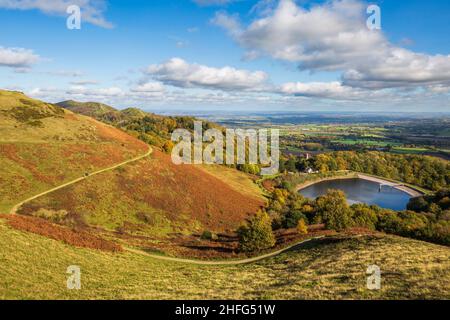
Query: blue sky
(230, 55)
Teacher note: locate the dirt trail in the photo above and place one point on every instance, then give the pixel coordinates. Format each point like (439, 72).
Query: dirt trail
(17, 206)
(222, 263)
(159, 257)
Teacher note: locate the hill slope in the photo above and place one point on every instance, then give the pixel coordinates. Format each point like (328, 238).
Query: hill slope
(152, 198)
(155, 199)
(43, 145)
(333, 268)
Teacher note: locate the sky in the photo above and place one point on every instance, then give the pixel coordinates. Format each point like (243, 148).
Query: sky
(244, 55)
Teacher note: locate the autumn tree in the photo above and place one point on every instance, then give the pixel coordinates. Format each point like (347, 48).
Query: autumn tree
(257, 234)
(334, 210)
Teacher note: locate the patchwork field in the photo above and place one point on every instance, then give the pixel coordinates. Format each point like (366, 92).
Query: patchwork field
(333, 268)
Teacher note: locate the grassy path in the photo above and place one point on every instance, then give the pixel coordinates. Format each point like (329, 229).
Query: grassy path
(17, 206)
(223, 263)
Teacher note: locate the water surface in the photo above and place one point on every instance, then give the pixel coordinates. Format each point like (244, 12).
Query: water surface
(361, 191)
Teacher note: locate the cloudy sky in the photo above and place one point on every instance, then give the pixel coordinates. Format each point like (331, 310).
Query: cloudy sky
(230, 54)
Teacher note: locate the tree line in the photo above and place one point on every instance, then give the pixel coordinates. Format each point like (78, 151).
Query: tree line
(427, 218)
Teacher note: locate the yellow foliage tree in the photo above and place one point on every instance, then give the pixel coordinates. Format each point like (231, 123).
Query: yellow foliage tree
(302, 228)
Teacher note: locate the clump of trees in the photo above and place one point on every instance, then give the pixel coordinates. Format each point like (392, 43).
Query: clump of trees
(427, 172)
(256, 234)
(334, 210)
(436, 203)
(427, 218)
(424, 171)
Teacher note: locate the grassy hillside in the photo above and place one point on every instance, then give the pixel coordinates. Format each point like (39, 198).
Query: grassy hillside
(333, 268)
(43, 145)
(151, 201)
(154, 198)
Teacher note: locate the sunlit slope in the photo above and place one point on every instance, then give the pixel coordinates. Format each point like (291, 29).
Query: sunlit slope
(327, 269)
(95, 110)
(155, 197)
(43, 145)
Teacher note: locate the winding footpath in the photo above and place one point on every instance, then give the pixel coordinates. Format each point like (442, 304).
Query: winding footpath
(224, 262)
(154, 256)
(17, 206)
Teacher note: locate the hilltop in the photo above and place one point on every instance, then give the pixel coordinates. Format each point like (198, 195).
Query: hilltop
(92, 109)
(149, 127)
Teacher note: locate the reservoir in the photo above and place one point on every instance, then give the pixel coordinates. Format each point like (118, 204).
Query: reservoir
(361, 191)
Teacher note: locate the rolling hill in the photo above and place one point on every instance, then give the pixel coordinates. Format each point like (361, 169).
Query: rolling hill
(149, 127)
(162, 209)
(43, 145)
(98, 111)
(153, 201)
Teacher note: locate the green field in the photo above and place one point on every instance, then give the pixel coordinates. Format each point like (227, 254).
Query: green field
(372, 143)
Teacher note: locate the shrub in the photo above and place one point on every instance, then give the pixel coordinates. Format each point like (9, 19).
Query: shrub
(208, 235)
(292, 218)
(418, 204)
(257, 234)
(302, 228)
(334, 210)
(364, 216)
(52, 215)
(168, 146)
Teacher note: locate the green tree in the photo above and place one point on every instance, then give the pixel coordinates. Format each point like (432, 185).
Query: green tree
(257, 234)
(293, 217)
(334, 210)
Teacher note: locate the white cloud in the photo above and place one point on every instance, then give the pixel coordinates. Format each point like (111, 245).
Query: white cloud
(334, 37)
(316, 89)
(17, 58)
(331, 90)
(84, 82)
(97, 92)
(149, 87)
(91, 10)
(179, 73)
(65, 73)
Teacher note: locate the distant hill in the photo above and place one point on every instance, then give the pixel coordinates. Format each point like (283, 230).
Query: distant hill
(131, 113)
(95, 110)
(148, 127)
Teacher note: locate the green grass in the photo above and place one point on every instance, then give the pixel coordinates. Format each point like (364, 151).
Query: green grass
(64, 146)
(373, 143)
(236, 179)
(34, 267)
(405, 150)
